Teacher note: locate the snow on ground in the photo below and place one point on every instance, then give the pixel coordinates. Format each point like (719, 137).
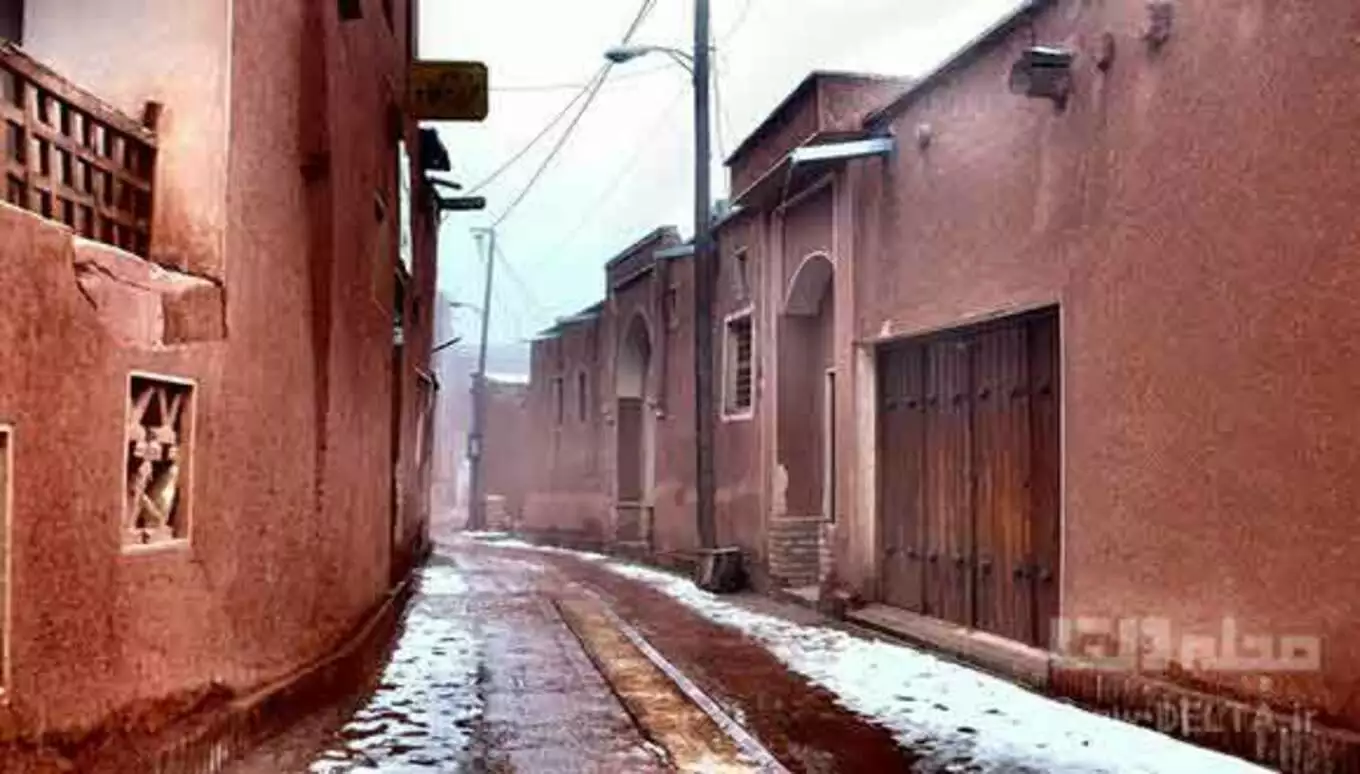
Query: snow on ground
(953, 715)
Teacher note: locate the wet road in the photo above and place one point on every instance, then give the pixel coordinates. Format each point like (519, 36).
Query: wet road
(485, 677)
(488, 676)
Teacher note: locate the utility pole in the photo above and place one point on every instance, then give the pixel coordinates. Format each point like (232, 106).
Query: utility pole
(704, 483)
(476, 498)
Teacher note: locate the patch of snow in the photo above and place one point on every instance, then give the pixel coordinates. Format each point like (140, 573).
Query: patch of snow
(956, 717)
(588, 556)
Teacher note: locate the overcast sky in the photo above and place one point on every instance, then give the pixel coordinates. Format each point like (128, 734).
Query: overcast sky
(627, 168)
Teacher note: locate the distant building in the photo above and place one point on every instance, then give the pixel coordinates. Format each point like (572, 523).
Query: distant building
(452, 414)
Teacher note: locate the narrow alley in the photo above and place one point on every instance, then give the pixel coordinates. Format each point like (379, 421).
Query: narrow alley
(510, 661)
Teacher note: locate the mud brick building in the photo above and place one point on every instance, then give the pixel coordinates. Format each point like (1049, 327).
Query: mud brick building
(219, 258)
(1047, 359)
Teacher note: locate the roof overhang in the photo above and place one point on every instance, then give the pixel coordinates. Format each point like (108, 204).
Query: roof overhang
(808, 163)
(671, 253)
(841, 151)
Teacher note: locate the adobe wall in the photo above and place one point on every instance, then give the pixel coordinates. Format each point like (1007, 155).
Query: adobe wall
(740, 504)
(292, 487)
(674, 528)
(569, 489)
(792, 124)
(1195, 224)
(507, 450)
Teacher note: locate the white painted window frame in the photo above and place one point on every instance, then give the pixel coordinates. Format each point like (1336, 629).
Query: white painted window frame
(729, 368)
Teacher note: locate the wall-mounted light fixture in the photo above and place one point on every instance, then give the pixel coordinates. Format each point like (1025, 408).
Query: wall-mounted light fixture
(1044, 72)
(925, 135)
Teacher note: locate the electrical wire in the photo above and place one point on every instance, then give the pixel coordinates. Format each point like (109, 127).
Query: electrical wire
(590, 95)
(587, 90)
(523, 287)
(736, 25)
(720, 120)
(530, 145)
(613, 186)
(614, 80)
(556, 148)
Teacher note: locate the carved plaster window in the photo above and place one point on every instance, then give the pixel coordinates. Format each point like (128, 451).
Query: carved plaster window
(159, 438)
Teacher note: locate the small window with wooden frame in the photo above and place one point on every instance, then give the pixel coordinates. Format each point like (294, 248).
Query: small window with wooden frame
(738, 366)
(159, 441)
(6, 562)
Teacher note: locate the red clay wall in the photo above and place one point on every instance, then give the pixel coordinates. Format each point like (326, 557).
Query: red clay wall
(506, 451)
(674, 529)
(791, 125)
(575, 482)
(291, 492)
(570, 488)
(739, 503)
(1194, 219)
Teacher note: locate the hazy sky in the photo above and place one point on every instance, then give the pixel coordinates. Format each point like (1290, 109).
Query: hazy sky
(627, 167)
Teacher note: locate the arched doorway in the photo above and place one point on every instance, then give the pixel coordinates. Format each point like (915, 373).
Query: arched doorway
(634, 450)
(806, 414)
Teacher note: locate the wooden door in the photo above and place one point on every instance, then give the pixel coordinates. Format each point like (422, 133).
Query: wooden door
(969, 456)
(1045, 389)
(1001, 493)
(948, 486)
(631, 458)
(901, 457)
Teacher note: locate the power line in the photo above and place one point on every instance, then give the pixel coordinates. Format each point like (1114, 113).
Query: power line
(647, 6)
(593, 91)
(736, 25)
(627, 167)
(720, 120)
(529, 146)
(587, 90)
(520, 284)
(540, 87)
(557, 147)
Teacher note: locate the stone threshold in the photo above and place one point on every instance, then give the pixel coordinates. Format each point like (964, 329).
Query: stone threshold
(998, 655)
(807, 596)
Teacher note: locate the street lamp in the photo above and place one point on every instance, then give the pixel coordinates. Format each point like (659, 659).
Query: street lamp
(622, 54)
(697, 64)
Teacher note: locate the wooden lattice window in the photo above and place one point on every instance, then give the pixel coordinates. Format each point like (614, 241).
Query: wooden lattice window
(739, 376)
(159, 442)
(69, 157)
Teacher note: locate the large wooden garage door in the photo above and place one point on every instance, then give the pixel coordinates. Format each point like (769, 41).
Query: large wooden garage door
(968, 460)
